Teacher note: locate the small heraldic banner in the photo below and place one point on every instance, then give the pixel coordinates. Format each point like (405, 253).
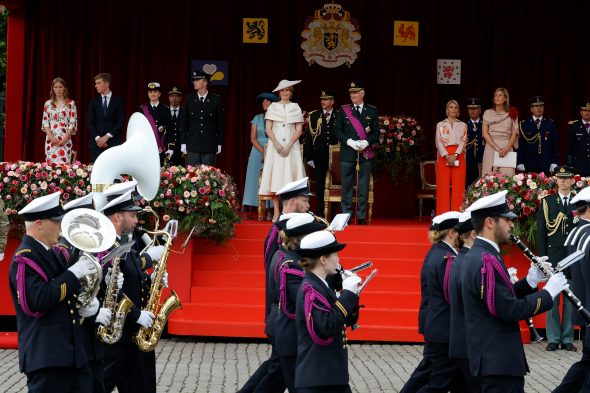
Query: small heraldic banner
(405, 33)
(255, 30)
(448, 72)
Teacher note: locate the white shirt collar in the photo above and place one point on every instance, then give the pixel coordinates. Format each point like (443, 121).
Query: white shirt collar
(474, 121)
(452, 248)
(174, 108)
(204, 96)
(361, 105)
(43, 244)
(156, 104)
(330, 112)
(563, 196)
(108, 96)
(324, 281)
(535, 118)
(491, 242)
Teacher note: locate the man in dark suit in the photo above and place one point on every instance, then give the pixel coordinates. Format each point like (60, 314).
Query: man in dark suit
(201, 125)
(172, 138)
(43, 288)
(577, 379)
(538, 145)
(493, 305)
(318, 139)
(357, 128)
(578, 145)
(106, 117)
(554, 222)
(158, 116)
(475, 144)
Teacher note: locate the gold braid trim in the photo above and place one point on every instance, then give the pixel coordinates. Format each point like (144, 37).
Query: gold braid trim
(534, 139)
(342, 309)
(318, 128)
(474, 144)
(538, 306)
(553, 225)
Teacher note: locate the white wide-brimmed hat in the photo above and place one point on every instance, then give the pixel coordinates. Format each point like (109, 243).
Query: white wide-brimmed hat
(285, 83)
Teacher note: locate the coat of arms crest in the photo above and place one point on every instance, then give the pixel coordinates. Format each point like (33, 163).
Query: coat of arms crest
(330, 37)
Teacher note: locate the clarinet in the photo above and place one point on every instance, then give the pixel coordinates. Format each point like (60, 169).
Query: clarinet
(569, 295)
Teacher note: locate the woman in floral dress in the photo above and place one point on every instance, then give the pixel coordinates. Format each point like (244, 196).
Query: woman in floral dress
(60, 122)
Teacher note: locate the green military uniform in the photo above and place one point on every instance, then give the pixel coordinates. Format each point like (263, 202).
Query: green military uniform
(4, 227)
(554, 222)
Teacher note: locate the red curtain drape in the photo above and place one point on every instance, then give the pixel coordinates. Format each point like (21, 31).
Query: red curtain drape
(529, 47)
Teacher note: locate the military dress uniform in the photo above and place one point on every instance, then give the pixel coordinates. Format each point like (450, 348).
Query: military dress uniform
(172, 137)
(474, 150)
(318, 139)
(369, 119)
(554, 223)
(578, 146)
(202, 126)
(539, 142)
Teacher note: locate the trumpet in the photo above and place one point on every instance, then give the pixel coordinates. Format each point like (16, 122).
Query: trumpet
(569, 295)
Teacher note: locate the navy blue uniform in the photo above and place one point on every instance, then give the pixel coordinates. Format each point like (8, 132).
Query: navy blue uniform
(323, 368)
(318, 138)
(473, 150)
(124, 362)
(54, 339)
(172, 137)
(538, 145)
(576, 377)
(457, 340)
(578, 147)
(494, 345)
(162, 119)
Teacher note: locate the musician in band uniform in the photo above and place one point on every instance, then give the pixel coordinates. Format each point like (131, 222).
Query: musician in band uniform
(43, 289)
(318, 138)
(493, 305)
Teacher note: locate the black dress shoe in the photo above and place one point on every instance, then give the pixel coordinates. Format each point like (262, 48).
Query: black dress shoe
(552, 347)
(569, 347)
(362, 221)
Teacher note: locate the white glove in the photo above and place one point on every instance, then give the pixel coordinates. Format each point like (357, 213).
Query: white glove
(353, 144)
(104, 316)
(535, 275)
(556, 284)
(146, 319)
(363, 144)
(155, 252)
(169, 153)
(164, 279)
(552, 167)
(310, 163)
(520, 167)
(218, 149)
(91, 310)
(351, 283)
(120, 279)
(183, 148)
(83, 267)
(1, 256)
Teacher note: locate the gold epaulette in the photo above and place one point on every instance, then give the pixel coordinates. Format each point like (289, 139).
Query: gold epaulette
(309, 113)
(22, 251)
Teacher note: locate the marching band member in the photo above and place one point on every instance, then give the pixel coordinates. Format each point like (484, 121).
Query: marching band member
(321, 317)
(493, 305)
(576, 380)
(125, 365)
(285, 276)
(43, 288)
(436, 315)
(92, 343)
(457, 343)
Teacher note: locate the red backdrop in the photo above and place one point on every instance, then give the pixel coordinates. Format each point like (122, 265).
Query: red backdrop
(530, 47)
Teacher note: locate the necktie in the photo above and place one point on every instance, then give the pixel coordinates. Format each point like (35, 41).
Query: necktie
(153, 107)
(358, 110)
(104, 105)
(587, 126)
(174, 114)
(202, 99)
(538, 123)
(565, 203)
(327, 115)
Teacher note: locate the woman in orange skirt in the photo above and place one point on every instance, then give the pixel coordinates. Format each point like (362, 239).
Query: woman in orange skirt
(451, 134)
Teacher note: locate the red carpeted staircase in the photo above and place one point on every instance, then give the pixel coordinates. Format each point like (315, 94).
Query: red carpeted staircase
(227, 282)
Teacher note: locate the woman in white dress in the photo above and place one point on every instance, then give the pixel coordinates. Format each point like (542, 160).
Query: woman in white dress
(283, 162)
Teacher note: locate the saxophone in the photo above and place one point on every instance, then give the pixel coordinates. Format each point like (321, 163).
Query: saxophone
(147, 338)
(112, 332)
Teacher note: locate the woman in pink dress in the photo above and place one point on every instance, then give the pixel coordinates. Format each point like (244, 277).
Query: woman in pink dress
(500, 131)
(60, 122)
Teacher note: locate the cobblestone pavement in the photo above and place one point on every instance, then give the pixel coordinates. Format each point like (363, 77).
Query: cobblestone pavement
(190, 365)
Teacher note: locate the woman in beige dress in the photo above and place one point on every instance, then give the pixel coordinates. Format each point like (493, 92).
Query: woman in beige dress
(500, 131)
(283, 162)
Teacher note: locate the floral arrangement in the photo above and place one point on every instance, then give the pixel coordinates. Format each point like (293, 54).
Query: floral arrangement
(400, 146)
(525, 192)
(201, 196)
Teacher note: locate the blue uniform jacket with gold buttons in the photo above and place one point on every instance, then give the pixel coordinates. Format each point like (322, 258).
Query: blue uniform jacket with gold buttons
(538, 148)
(475, 145)
(202, 123)
(319, 136)
(494, 344)
(319, 365)
(578, 148)
(54, 339)
(369, 118)
(438, 312)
